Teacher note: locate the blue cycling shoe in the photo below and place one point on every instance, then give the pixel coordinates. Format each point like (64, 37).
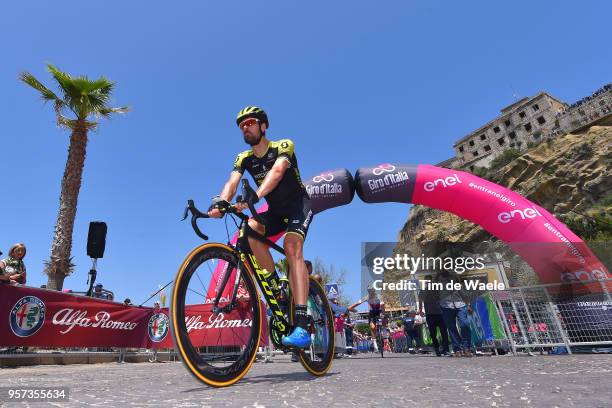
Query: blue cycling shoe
(299, 338)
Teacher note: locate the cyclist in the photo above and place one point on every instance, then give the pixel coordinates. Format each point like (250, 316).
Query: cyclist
(273, 165)
(376, 308)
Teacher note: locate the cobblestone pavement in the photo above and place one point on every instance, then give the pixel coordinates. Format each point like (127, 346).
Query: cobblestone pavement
(397, 380)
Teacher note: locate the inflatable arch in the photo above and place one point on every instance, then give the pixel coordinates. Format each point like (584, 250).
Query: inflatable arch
(555, 253)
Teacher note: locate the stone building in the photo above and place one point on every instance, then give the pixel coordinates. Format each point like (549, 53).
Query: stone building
(526, 120)
(591, 110)
(530, 120)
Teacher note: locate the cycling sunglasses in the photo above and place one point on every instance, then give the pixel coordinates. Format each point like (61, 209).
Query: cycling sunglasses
(248, 122)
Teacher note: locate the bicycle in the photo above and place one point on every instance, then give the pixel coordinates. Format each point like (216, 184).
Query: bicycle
(226, 355)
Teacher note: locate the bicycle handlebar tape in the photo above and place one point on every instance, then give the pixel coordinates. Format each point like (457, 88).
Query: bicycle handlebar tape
(386, 183)
(330, 189)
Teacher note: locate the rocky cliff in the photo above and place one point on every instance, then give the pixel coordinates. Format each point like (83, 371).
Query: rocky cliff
(571, 176)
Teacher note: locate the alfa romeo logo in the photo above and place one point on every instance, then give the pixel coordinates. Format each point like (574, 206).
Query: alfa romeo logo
(323, 177)
(27, 316)
(383, 168)
(158, 327)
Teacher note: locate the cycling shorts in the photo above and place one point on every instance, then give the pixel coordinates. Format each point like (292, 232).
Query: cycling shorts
(294, 218)
(373, 316)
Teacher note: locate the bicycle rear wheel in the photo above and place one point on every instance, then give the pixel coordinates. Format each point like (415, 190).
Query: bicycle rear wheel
(318, 357)
(216, 346)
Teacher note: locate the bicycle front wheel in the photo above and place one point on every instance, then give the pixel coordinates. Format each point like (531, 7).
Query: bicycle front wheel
(216, 346)
(318, 357)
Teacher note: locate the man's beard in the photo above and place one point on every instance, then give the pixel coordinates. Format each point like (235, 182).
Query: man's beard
(253, 142)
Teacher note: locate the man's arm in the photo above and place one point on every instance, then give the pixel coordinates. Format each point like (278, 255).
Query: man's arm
(273, 177)
(360, 301)
(230, 187)
(3, 277)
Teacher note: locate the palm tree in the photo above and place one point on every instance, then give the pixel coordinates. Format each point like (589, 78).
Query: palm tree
(87, 100)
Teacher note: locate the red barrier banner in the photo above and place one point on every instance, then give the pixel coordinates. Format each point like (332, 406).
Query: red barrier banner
(206, 329)
(45, 318)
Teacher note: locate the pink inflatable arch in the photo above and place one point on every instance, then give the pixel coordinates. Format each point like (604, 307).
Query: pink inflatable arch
(329, 189)
(555, 252)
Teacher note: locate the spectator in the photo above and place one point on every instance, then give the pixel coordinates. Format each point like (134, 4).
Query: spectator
(12, 268)
(308, 266)
(127, 302)
(430, 299)
(99, 293)
(348, 334)
(385, 334)
(316, 275)
(455, 309)
(399, 340)
(412, 326)
(339, 329)
(98, 290)
(157, 306)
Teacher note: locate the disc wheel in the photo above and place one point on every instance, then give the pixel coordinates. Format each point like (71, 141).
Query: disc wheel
(318, 357)
(217, 347)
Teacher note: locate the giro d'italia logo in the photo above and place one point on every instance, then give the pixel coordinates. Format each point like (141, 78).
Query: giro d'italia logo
(323, 177)
(27, 316)
(383, 168)
(158, 327)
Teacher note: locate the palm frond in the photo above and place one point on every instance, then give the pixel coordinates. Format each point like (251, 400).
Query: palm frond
(107, 112)
(65, 122)
(66, 84)
(46, 93)
(72, 124)
(97, 101)
(102, 85)
(82, 96)
(59, 106)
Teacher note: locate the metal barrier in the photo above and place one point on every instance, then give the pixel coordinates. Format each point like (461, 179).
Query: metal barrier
(547, 316)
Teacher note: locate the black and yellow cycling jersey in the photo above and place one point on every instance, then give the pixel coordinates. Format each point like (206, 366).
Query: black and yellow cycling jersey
(290, 189)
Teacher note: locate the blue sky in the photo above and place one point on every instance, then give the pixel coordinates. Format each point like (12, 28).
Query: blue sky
(352, 83)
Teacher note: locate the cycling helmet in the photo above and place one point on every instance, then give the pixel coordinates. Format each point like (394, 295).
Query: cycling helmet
(252, 112)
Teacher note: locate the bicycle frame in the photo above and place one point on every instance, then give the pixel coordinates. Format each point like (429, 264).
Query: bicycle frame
(246, 258)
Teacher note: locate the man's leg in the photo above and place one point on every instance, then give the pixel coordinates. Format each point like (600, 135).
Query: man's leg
(298, 277)
(409, 339)
(260, 250)
(450, 317)
(374, 334)
(298, 282)
(432, 324)
(417, 338)
(443, 334)
(464, 326)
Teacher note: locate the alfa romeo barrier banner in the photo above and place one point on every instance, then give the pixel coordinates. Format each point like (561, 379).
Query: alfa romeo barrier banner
(206, 329)
(45, 318)
(38, 317)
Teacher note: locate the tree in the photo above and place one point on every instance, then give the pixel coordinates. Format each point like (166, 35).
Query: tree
(88, 101)
(329, 275)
